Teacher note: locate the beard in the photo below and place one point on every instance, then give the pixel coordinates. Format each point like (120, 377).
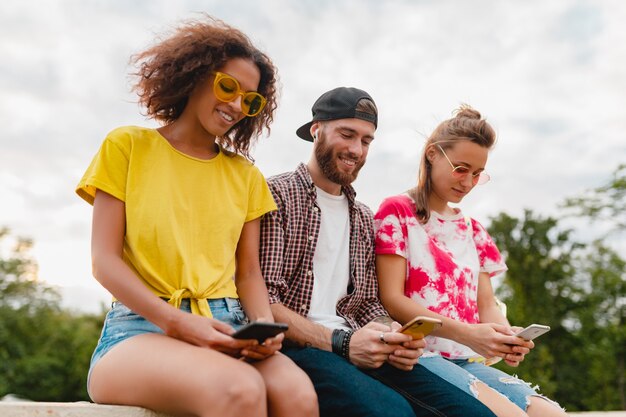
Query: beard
(327, 161)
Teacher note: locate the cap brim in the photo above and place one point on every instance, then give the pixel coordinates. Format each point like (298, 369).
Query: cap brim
(304, 132)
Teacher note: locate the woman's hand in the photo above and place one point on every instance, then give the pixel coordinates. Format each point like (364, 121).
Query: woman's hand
(207, 332)
(492, 339)
(268, 348)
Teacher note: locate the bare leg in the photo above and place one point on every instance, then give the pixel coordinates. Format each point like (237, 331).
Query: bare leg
(164, 374)
(497, 403)
(540, 407)
(290, 392)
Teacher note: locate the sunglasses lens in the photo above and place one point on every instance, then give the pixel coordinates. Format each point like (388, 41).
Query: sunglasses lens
(460, 172)
(252, 104)
(226, 88)
(482, 178)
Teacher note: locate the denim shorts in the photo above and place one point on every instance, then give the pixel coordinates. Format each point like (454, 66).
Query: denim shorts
(463, 374)
(121, 323)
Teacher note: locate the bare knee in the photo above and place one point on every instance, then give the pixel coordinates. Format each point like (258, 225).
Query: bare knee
(292, 394)
(241, 394)
(496, 402)
(542, 406)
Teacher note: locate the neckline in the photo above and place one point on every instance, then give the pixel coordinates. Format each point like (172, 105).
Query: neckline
(220, 152)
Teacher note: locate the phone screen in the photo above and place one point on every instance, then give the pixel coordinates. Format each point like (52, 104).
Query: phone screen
(260, 330)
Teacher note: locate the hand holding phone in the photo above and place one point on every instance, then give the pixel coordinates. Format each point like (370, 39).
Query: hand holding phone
(420, 326)
(532, 331)
(260, 330)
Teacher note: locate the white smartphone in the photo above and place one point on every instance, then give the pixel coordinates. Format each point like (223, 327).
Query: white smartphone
(533, 331)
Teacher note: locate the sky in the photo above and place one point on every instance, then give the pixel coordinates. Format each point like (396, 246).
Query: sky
(550, 76)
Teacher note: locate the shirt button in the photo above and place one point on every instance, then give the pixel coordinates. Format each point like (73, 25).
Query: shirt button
(303, 307)
(310, 237)
(316, 209)
(309, 272)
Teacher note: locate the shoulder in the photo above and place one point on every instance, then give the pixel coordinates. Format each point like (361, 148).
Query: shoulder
(477, 227)
(126, 137)
(401, 203)
(285, 183)
(363, 209)
(240, 164)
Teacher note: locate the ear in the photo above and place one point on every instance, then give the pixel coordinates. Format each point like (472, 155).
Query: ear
(314, 129)
(431, 153)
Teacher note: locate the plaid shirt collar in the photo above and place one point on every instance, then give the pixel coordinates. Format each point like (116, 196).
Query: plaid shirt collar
(303, 175)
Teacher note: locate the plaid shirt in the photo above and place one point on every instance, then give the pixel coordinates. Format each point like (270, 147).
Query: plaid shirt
(288, 240)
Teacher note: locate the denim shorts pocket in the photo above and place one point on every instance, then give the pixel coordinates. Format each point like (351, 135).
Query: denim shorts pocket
(229, 311)
(119, 312)
(236, 310)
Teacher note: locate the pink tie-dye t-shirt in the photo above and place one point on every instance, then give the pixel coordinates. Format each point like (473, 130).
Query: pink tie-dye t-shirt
(444, 260)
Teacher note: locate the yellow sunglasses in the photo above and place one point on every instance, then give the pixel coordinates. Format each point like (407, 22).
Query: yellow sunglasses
(226, 89)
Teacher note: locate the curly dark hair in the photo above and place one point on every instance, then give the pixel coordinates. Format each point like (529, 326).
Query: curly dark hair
(170, 70)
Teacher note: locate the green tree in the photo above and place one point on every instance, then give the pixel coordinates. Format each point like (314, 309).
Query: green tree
(579, 289)
(44, 350)
(539, 288)
(606, 203)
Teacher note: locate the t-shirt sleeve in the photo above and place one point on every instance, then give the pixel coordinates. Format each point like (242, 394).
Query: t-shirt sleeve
(261, 200)
(390, 227)
(488, 253)
(108, 170)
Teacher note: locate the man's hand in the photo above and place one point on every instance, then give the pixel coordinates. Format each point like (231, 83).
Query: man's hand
(406, 354)
(375, 343)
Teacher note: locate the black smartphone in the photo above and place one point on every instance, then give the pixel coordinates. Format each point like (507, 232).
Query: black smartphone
(260, 330)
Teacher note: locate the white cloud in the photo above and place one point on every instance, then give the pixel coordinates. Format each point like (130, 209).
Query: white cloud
(548, 75)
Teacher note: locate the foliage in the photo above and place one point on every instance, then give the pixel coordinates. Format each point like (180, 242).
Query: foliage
(44, 350)
(580, 291)
(606, 203)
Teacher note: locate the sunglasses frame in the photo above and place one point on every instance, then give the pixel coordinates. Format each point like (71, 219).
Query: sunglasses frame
(245, 109)
(477, 179)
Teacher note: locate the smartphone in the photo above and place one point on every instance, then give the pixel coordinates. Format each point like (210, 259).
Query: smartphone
(260, 330)
(420, 326)
(532, 331)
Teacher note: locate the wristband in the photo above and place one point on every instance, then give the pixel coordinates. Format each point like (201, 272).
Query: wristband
(345, 349)
(337, 341)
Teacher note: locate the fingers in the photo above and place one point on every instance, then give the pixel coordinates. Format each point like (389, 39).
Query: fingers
(415, 344)
(222, 327)
(501, 328)
(513, 359)
(520, 349)
(394, 338)
(405, 363)
(395, 326)
(408, 355)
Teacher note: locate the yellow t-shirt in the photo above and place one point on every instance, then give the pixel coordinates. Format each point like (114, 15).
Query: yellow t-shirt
(184, 215)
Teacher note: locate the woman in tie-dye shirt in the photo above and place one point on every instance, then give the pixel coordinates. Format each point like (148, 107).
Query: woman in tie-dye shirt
(434, 261)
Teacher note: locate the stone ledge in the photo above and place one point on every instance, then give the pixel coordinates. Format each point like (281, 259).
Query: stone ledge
(85, 409)
(599, 413)
(78, 409)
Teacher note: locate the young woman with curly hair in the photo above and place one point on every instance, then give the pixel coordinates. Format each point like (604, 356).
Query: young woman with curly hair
(175, 237)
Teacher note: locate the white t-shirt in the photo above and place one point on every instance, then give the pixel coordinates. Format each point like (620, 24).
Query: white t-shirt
(331, 260)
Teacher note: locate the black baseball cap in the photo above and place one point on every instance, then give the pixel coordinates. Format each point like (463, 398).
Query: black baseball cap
(339, 103)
